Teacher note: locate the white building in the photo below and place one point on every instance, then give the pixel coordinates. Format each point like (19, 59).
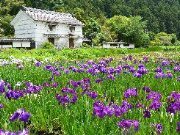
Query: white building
(118, 45)
(62, 29)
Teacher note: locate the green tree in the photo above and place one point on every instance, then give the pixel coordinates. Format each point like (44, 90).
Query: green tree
(130, 30)
(91, 29)
(8, 9)
(164, 39)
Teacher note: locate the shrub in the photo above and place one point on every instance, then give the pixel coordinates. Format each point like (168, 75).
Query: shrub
(47, 45)
(164, 39)
(85, 45)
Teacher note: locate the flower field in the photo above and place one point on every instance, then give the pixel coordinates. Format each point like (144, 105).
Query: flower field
(130, 94)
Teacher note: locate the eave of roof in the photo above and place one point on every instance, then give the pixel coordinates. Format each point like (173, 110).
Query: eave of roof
(15, 39)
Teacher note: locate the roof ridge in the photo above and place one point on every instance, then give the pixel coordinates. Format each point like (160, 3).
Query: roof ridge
(43, 10)
(51, 16)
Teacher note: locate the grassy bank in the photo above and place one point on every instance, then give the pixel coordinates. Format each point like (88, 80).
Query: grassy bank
(79, 53)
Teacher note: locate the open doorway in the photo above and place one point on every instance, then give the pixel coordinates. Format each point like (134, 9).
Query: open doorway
(51, 40)
(71, 42)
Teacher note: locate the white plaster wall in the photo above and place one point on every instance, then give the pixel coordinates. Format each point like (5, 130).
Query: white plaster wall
(106, 45)
(63, 43)
(78, 30)
(78, 42)
(40, 30)
(130, 46)
(24, 26)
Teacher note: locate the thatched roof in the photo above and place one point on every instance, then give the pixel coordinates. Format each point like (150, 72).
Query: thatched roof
(51, 16)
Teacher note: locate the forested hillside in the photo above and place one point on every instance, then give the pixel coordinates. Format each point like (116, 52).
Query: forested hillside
(161, 15)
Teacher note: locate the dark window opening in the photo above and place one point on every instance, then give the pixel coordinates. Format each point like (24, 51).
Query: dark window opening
(72, 28)
(51, 40)
(51, 26)
(126, 44)
(5, 43)
(71, 42)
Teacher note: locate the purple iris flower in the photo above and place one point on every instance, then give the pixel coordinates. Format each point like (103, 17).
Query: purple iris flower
(98, 109)
(130, 92)
(174, 96)
(153, 96)
(24, 116)
(56, 73)
(85, 66)
(85, 84)
(158, 69)
(38, 63)
(6, 133)
(132, 69)
(2, 86)
(119, 67)
(173, 107)
(177, 68)
(103, 70)
(155, 105)
(23, 132)
(99, 80)
(92, 94)
(126, 124)
(138, 75)
(142, 70)
(165, 63)
(74, 83)
(46, 84)
(139, 105)
(65, 99)
(169, 75)
(111, 70)
(13, 94)
(111, 77)
(125, 106)
(90, 62)
(126, 66)
(109, 110)
(66, 71)
(16, 115)
(147, 114)
(160, 75)
(158, 128)
(54, 84)
(118, 71)
(120, 110)
(147, 89)
(81, 70)
(8, 85)
(1, 106)
(141, 66)
(61, 68)
(145, 59)
(49, 68)
(34, 89)
(130, 57)
(20, 114)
